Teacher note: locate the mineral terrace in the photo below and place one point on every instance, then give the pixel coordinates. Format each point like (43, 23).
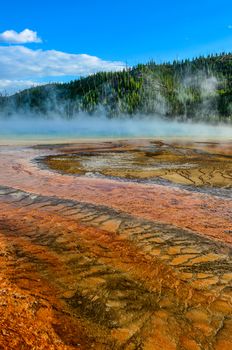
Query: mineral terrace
(116, 245)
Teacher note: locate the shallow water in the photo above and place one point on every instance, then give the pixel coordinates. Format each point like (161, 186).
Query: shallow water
(54, 129)
(111, 262)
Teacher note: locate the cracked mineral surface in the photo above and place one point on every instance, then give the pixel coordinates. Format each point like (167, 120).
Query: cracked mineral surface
(116, 245)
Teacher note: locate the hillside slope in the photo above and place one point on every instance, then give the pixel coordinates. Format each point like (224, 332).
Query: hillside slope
(199, 89)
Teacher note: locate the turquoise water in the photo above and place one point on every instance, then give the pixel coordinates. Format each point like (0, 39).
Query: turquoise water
(18, 129)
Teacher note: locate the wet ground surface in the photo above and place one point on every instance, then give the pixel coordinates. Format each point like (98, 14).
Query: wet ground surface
(110, 263)
(207, 166)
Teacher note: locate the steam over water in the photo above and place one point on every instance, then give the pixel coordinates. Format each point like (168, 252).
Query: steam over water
(101, 127)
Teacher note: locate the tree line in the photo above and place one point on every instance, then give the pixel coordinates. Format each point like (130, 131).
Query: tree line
(199, 89)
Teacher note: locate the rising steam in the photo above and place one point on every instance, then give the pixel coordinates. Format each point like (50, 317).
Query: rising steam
(84, 126)
(55, 124)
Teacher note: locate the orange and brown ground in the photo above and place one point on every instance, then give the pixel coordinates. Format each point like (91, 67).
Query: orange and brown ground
(122, 245)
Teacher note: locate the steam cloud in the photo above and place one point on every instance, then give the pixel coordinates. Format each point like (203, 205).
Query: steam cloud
(54, 125)
(85, 126)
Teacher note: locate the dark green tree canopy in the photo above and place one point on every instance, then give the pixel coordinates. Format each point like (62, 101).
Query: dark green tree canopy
(199, 89)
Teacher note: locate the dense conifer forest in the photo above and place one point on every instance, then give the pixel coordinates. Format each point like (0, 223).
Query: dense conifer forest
(198, 89)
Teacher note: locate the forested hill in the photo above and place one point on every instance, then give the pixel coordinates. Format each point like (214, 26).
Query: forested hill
(191, 89)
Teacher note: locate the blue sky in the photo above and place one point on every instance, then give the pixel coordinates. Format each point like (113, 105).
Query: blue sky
(115, 32)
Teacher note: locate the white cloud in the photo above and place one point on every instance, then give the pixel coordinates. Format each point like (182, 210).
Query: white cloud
(21, 67)
(20, 62)
(12, 86)
(26, 36)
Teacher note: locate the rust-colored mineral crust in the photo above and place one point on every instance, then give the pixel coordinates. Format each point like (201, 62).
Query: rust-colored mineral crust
(106, 246)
